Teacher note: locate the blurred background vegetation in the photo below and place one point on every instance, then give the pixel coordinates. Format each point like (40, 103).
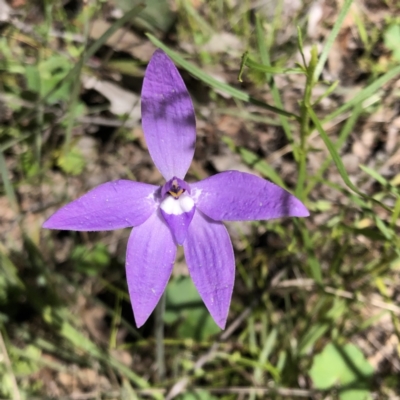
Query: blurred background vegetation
(304, 93)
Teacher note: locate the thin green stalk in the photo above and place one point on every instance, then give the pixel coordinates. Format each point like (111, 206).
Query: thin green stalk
(159, 335)
(76, 84)
(305, 124)
(116, 321)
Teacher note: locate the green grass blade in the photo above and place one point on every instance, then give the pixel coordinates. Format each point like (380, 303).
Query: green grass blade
(328, 92)
(214, 83)
(378, 177)
(8, 270)
(331, 38)
(314, 265)
(337, 160)
(264, 355)
(344, 134)
(262, 48)
(332, 150)
(8, 187)
(364, 93)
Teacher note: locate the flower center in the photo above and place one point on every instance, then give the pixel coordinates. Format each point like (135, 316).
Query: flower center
(175, 190)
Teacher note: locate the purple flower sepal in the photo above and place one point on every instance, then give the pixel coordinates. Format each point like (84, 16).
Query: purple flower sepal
(177, 213)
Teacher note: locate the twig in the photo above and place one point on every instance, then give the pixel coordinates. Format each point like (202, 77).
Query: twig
(310, 284)
(30, 30)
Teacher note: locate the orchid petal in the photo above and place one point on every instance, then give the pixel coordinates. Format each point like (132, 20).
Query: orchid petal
(211, 263)
(168, 118)
(112, 205)
(238, 196)
(149, 260)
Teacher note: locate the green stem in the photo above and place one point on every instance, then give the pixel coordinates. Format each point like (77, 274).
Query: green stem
(159, 335)
(305, 124)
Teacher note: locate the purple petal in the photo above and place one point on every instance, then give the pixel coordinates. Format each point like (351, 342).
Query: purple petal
(211, 263)
(149, 260)
(168, 118)
(112, 205)
(237, 196)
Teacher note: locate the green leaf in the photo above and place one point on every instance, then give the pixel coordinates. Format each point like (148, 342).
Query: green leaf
(90, 261)
(392, 40)
(71, 161)
(198, 394)
(27, 365)
(49, 75)
(184, 304)
(32, 78)
(343, 365)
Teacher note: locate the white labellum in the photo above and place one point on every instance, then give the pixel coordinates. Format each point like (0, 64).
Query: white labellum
(177, 206)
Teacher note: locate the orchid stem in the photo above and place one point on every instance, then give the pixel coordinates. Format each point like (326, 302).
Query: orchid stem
(159, 334)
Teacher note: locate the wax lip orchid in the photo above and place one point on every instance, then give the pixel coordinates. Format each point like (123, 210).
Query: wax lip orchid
(178, 213)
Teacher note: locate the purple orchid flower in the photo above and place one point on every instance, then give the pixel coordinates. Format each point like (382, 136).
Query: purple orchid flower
(177, 213)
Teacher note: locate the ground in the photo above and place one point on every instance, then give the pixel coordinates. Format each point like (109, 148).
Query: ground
(315, 310)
